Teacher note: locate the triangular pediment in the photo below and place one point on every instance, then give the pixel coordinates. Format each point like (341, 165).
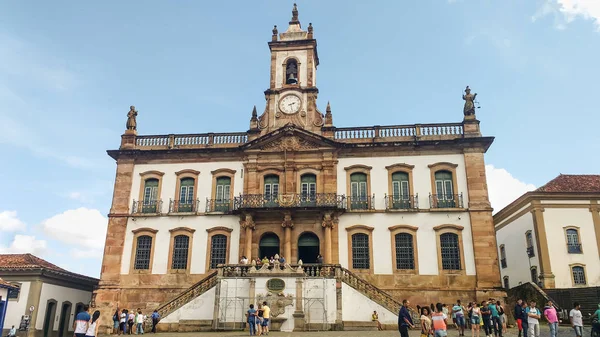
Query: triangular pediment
(290, 138)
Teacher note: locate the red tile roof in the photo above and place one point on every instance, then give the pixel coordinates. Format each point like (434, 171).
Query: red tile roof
(573, 183)
(14, 262)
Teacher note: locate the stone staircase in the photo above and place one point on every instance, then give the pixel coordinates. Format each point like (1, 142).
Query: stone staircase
(189, 294)
(366, 288)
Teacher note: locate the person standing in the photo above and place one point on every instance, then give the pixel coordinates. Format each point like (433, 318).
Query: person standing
(259, 319)
(266, 318)
(116, 322)
(130, 322)
(252, 320)
(552, 318)
(123, 322)
(533, 316)
(459, 311)
(497, 324)
(576, 319)
(139, 320)
(82, 320)
(517, 314)
(404, 320)
(475, 319)
(486, 317)
(425, 322)
(155, 317)
(92, 330)
(524, 318)
(438, 320)
(502, 314)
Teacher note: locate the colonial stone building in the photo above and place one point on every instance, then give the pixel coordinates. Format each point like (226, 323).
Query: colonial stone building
(404, 209)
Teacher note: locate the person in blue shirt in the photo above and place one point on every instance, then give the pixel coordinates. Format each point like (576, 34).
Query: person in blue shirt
(82, 321)
(155, 316)
(404, 320)
(252, 320)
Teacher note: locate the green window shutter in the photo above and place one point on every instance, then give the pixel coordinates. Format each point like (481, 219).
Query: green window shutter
(223, 188)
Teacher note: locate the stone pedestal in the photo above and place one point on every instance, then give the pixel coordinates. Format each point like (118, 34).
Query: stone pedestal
(276, 323)
(298, 320)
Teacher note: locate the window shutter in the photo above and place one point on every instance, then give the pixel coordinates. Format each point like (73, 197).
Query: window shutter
(396, 189)
(404, 189)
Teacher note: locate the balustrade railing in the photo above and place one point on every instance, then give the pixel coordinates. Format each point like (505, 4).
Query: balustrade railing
(371, 291)
(191, 140)
(574, 248)
(309, 269)
(219, 205)
(450, 130)
(446, 200)
(185, 206)
(400, 202)
(146, 207)
(361, 203)
(293, 200)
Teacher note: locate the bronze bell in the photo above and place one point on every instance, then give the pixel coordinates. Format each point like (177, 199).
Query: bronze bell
(291, 79)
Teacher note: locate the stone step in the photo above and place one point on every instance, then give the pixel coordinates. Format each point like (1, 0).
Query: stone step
(360, 326)
(186, 325)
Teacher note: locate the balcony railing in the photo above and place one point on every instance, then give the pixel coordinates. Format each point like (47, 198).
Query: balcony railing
(146, 207)
(294, 200)
(503, 263)
(219, 205)
(446, 200)
(574, 248)
(530, 252)
(186, 206)
(191, 140)
(361, 203)
(400, 202)
(401, 132)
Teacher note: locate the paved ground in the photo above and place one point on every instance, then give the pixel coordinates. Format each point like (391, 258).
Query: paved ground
(544, 332)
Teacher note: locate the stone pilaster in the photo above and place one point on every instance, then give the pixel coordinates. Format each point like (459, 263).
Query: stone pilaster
(329, 221)
(482, 223)
(247, 223)
(541, 240)
(287, 225)
(299, 313)
(252, 291)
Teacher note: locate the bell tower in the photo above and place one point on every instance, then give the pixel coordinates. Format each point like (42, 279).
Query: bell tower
(291, 97)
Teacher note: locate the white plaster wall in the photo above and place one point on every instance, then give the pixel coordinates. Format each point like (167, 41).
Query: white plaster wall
(555, 219)
(16, 309)
(358, 307)
(60, 294)
(234, 299)
(564, 201)
(199, 244)
(426, 240)
(421, 175)
(517, 262)
(290, 289)
(169, 180)
(301, 55)
(319, 300)
(200, 308)
(498, 224)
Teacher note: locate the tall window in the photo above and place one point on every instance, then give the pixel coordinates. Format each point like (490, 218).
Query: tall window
(358, 189)
(401, 192)
(13, 293)
(506, 283)
(444, 189)
(308, 188)
(405, 256)
(218, 250)
(503, 256)
(578, 275)
(223, 194)
(142, 252)
(360, 251)
(534, 275)
(150, 201)
(271, 189)
(181, 245)
(573, 243)
(450, 250)
(186, 195)
(529, 242)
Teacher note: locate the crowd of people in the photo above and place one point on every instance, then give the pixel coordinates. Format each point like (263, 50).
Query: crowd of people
(271, 260)
(132, 322)
(259, 319)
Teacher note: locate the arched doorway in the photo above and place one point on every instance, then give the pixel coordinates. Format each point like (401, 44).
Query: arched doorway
(49, 317)
(308, 247)
(269, 245)
(65, 314)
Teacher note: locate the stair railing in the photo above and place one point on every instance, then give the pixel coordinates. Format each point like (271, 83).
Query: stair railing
(189, 294)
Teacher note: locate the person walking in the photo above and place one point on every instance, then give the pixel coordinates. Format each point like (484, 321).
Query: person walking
(518, 314)
(533, 316)
(92, 330)
(438, 320)
(404, 320)
(252, 320)
(82, 321)
(155, 318)
(576, 319)
(475, 320)
(459, 312)
(552, 318)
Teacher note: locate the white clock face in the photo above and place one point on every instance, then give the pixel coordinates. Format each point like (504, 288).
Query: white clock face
(289, 104)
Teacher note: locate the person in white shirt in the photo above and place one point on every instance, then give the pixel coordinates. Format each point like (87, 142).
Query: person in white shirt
(139, 323)
(533, 316)
(92, 330)
(12, 332)
(576, 319)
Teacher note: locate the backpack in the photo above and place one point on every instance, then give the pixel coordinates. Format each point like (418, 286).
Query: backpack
(115, 318)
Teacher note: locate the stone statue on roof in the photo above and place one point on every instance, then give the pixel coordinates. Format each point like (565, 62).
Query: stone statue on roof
(469, 98)
(131, 115)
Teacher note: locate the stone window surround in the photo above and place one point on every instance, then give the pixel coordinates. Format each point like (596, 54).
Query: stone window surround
(506, 281)
(412, 230)
(189, 232)
(18, 284)
(443, 166)
(578, 229)
(503, 254)
(212, 232)
(222, 172)
(400, 167)
(356, 229)
(151, 175)
(305, 171)
(455, 229)
(270, 172)
(284, 73)
(537, 276)
(187, 173)
(573, 277)
(358, 168)
(145, 231)
(529, 232)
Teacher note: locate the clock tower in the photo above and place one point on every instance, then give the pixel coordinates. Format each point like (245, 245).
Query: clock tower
(291, 97)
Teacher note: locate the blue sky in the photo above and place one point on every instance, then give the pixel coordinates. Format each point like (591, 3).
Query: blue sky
(70, 70)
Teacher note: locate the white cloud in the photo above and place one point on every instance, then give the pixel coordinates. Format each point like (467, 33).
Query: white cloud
(83, 228)
(503, 188)
(566, 11)
(86, 253)
(10, 223)
(25, 244)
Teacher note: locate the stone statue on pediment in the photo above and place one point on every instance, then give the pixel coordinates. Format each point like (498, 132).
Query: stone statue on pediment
(131, 122)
